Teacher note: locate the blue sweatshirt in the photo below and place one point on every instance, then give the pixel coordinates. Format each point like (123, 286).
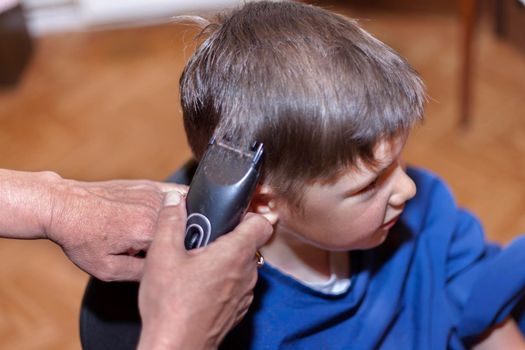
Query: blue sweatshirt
(434, 284)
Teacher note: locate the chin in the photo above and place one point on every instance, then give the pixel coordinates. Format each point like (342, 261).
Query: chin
(378, 238)
(372, 243)
(373, 240)
(335, 246)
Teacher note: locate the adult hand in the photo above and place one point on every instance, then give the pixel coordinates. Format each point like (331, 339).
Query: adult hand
(191, 299)
(104, 227)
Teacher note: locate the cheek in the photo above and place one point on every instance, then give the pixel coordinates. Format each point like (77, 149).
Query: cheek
(357, 225)
(365, 215)
(344, 228)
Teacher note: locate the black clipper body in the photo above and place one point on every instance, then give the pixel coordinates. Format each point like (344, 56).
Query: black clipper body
(220, 191)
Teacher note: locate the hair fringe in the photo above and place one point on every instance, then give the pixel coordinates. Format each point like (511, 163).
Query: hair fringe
(199, 21)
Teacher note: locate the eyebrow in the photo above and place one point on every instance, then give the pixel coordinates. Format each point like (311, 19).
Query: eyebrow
(378, 173)
(384, 168)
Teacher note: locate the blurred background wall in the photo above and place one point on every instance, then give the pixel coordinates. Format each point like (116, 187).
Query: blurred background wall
(46, 16)
(95, 97)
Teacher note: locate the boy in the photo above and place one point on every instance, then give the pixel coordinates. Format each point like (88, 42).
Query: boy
(358, 259)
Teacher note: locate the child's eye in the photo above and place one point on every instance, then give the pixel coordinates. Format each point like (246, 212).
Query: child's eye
(367, 190)
(371, 186)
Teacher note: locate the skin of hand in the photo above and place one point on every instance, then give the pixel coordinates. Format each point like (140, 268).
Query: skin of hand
(191, 299)
(102, 226)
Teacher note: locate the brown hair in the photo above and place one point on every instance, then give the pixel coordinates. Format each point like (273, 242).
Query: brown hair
(314, 87)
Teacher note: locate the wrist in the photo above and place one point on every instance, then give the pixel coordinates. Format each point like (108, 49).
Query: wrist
(47, 183)
(56, 197)
(26, 199)
(66, 198)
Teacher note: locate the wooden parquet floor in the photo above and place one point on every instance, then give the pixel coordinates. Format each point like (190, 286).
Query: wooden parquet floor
(105, 105)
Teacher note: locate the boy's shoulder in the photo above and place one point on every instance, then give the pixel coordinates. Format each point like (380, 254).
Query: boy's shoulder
(433, 196)
(434, 213)
(427, 183)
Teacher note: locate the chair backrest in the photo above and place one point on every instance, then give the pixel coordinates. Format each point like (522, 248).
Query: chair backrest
(184, 174)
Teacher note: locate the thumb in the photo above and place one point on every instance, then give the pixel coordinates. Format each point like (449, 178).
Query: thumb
(172, 220)
(168, 187)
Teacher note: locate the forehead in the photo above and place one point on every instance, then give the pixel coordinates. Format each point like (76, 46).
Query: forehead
(385, 152)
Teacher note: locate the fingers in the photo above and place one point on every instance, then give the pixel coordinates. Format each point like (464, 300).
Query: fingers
(254, 228)
(251, 234)
(169, 235)
(122, 268)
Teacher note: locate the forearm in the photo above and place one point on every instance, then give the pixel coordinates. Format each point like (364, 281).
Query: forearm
(26, 203)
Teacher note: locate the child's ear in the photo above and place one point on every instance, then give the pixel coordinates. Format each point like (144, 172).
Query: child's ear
(264, 203)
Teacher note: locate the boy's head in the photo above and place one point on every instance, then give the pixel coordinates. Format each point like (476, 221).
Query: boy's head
(316, 89)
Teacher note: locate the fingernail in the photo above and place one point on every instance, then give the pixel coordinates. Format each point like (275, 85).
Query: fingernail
(172, 198)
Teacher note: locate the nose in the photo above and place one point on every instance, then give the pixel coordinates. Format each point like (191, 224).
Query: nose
(403, 190)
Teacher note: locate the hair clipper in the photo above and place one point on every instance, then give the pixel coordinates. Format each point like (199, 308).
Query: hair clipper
(220, 191)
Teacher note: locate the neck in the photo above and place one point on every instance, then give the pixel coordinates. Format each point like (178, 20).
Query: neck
(298, 258)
